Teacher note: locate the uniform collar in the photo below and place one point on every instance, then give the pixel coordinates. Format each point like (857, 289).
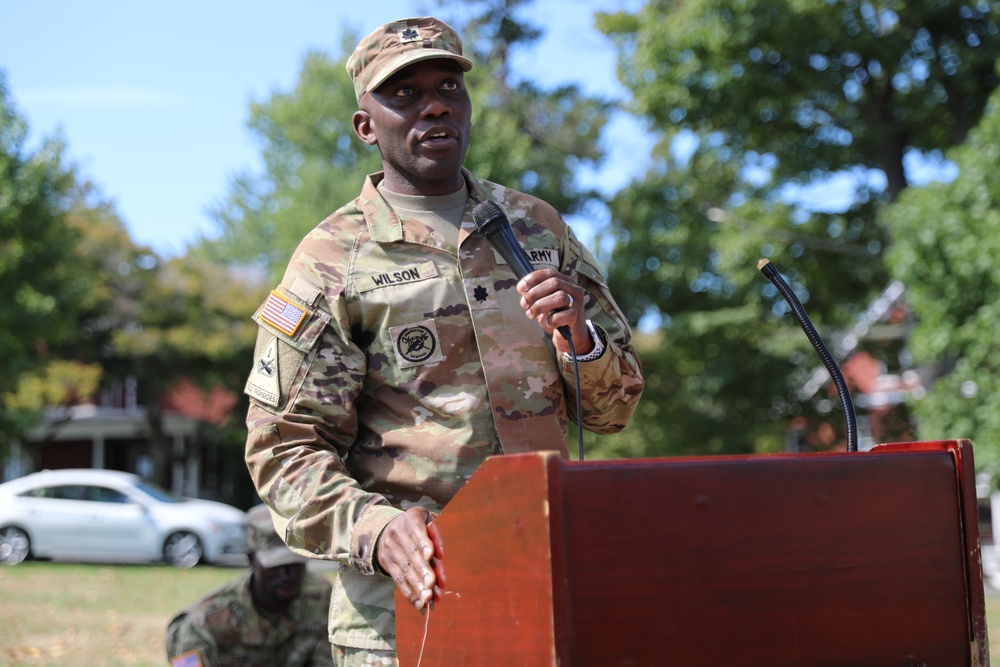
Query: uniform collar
(384, 226)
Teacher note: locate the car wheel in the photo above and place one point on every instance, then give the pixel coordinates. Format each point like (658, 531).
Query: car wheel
(183, 549)
(14, 545)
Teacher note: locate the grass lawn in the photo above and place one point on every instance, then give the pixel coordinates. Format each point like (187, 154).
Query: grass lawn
(61, 614)
(993, 626)
(70, 615)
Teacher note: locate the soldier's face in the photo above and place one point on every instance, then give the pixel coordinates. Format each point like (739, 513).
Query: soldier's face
(420, 119)
(276, 587)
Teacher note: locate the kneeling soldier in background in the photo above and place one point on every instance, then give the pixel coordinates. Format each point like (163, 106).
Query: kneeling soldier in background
(275, 614)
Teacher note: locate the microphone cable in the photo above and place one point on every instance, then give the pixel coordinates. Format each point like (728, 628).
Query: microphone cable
(579, 396)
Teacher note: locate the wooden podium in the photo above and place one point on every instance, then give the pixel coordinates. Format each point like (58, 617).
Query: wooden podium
(859, 559)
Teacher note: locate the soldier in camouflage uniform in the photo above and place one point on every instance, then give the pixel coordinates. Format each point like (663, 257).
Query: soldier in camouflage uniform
(275, 614)
(399, 351)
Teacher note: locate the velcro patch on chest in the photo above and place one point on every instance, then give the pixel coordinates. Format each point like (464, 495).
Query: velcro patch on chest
(398, 276)
(416, 344)
(481, 294)
(540, 258)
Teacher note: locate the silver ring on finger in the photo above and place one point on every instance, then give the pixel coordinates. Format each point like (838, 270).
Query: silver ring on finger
(571, 300)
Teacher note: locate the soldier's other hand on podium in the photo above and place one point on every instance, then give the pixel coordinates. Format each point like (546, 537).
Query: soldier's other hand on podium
(437, 562)
(408, 554)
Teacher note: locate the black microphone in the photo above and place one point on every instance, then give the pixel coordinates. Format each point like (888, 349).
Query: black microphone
(493, 224)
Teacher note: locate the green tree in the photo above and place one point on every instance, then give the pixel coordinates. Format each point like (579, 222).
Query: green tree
(190, 322)
(313, 163)
(162, 323)
(42, 287)
(821, 86)
(103, 262)
(89, 306)
(525, 137)
(139, 317)
(773, 98)
(946, 252)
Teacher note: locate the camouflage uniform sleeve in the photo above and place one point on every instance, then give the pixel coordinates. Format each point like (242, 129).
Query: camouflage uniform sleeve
(318, 590)
(185, 636)
(298, 442)
(322, 655)
(612, 384)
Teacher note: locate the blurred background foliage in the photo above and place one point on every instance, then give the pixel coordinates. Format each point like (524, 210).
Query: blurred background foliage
(949, 264)
(791, 129)
(760, 109)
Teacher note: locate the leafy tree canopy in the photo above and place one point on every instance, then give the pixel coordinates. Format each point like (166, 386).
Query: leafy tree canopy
(946, 252)
(43, 287)
(821, 85)
(753, 100)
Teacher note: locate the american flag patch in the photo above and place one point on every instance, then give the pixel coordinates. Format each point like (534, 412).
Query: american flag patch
(282, 314)
(189, 659)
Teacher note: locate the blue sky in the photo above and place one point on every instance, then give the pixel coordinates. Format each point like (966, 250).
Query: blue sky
(152, 97)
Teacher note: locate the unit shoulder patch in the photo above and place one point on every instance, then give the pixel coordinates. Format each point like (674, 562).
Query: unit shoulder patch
(263, 383)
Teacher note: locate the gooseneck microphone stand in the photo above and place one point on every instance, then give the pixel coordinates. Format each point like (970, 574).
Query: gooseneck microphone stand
(850, 417)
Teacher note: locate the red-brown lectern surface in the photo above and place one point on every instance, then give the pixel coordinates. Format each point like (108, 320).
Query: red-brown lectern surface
(860, 559)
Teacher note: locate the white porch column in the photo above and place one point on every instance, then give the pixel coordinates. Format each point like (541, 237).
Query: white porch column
(177, 474)
(97, 451)
(192, 483)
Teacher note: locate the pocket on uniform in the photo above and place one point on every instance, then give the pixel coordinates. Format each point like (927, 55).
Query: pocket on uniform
(362, 611)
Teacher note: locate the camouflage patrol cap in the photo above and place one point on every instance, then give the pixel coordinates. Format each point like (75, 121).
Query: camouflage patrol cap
(395, 45)
(264, 542)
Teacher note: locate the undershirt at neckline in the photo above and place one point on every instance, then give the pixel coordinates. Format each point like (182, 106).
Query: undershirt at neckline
(442, 213)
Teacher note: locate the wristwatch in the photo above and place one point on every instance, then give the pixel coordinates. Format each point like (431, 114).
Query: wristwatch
(598, 346)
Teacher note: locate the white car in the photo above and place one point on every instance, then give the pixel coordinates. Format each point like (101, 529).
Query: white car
(106, 515)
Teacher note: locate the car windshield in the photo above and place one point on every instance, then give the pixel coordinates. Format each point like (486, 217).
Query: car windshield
(162, 495)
